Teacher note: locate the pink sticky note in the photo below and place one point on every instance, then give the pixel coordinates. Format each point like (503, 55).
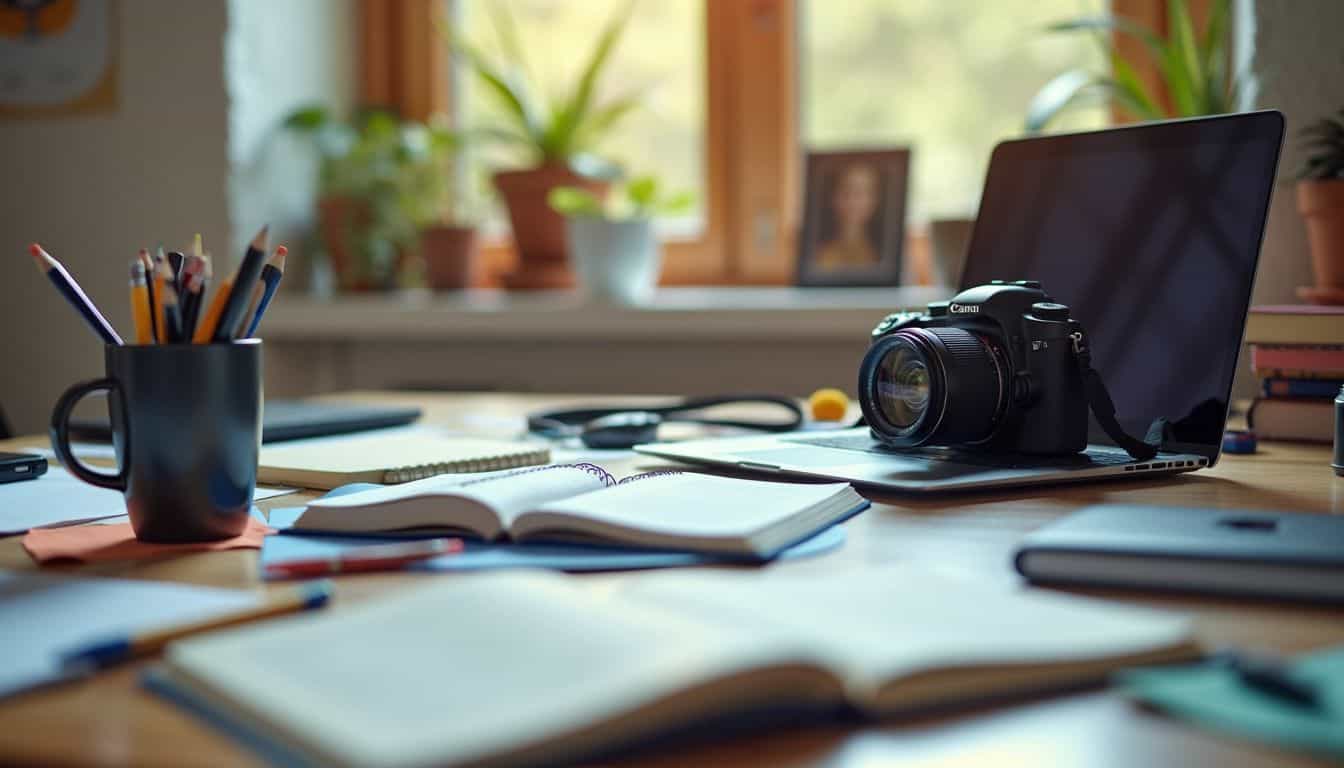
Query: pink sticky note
(96, 543)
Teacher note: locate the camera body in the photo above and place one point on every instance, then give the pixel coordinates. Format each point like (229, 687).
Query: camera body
(996, 368)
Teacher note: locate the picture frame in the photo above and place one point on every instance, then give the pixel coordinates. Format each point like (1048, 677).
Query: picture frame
(853, 231)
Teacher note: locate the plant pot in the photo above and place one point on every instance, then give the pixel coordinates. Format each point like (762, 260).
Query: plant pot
(450, 257)
(338, 218)
(1321, 204)
(614, 261)
(538, 231)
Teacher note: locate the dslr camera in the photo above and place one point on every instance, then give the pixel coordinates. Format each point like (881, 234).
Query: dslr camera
(999, 367)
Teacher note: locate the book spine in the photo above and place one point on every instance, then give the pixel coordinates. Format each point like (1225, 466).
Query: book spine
(1294, 387)
(1319, 359)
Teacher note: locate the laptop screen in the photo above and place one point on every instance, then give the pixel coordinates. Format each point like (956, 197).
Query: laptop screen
(1151, 235)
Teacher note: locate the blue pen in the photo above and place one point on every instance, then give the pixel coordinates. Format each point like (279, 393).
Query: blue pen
(116, 650)
(270, 280)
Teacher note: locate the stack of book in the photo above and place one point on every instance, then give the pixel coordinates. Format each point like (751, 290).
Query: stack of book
(1297, 351)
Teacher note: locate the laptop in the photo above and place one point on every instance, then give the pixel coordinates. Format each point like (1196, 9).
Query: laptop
(1150, 234)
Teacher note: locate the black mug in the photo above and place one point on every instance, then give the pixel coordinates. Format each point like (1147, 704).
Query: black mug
(186, 427)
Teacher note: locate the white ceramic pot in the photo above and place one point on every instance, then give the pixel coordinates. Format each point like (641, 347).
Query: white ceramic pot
(615, 260)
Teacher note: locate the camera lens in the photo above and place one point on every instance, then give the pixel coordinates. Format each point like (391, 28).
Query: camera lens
(933, 386)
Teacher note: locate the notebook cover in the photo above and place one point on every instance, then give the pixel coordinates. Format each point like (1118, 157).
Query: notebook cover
(290, 420)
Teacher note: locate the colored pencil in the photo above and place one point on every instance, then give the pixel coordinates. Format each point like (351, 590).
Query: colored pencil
(376, 557)
(270, 281)
(193, 271)
(311, 597)
(240, 293)
(144, 329)
(66, 284)
(148, 261)
(163, 279)
(205, 329)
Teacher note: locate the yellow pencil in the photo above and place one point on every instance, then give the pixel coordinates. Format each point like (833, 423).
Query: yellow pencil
(144, 329)
(148, 261)
(205, 329)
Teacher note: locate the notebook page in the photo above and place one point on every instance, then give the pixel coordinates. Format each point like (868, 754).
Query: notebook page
(695, 505)
(876, 624)
(458, 670)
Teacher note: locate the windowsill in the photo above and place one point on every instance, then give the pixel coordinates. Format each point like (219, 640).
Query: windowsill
(675, 314)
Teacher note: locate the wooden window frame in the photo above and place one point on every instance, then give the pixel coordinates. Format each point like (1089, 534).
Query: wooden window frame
(753, 153)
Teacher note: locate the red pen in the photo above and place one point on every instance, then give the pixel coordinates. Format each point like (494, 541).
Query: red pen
(378, 557)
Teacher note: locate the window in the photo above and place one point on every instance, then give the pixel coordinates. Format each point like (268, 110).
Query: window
(737, 90)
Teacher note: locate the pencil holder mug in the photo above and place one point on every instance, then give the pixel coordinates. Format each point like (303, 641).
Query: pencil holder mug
(186, 428)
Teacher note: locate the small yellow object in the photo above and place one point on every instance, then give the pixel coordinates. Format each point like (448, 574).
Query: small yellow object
(828, 404)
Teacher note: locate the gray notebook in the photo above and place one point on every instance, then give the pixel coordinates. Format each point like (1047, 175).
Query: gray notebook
(1283, 555)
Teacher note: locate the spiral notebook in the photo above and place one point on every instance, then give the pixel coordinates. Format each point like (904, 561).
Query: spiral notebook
(396, 456)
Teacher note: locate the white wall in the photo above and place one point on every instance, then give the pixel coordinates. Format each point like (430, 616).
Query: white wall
(201, 87)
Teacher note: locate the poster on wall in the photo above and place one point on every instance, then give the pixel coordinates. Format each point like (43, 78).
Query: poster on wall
(57, 57)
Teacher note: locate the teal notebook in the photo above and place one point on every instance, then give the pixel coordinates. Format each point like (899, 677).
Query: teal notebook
(1213, 696)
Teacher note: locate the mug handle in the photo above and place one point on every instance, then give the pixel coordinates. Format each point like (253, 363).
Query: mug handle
(60, 436)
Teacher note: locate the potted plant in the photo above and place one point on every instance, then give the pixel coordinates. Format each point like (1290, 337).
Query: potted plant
(615, 254)
(362, 222)
(1194, 69)
(1320, 199)
(556, 138)
(430, 198)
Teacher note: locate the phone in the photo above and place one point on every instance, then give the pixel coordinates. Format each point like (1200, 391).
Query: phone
(21, 466)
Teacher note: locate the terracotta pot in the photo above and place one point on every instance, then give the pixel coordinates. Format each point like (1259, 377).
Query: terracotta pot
(1322, 206)
(450, 257)
(338, 218)
(538, 231)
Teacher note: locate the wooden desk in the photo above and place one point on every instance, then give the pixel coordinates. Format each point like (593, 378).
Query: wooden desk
(108, 720)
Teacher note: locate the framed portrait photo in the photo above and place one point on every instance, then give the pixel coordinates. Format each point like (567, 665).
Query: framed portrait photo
(853, 230)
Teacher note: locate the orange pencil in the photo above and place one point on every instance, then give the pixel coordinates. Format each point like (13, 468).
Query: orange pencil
(205, 329)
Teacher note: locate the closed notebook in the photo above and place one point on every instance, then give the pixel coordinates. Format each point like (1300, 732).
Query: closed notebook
(581, 502)
(395, 456)
(520, 667)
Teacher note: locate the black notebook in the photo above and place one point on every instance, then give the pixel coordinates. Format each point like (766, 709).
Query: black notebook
(290, 420)
(1284, 555)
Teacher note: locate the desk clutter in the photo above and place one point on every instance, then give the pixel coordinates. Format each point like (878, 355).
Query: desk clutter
(1297, 352)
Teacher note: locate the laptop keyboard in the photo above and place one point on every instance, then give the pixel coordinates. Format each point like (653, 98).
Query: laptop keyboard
(1095, 457)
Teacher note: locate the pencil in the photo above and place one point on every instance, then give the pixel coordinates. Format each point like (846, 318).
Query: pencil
(270, 281)
(193, 282)
(240, 293)
(172, 315)
(74, 294)
(176, 261)
(105, 654)
(144, 330)
(163, 279)
(148, 261)
(205, 329)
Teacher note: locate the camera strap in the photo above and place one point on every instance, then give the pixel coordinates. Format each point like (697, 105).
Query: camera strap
(1099, 400)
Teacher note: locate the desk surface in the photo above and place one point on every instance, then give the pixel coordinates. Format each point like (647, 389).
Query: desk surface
(108, 720)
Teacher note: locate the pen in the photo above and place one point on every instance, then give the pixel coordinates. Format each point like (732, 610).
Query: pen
(270, 281)
(193, 283)
(1274, 679)
(240, 293)
(144, 330)
(74, 294)
(120, 649)
(378, 557)
(175, 263)
(148, 261)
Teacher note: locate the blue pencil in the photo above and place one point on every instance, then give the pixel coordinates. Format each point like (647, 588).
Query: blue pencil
(74, 294)
(270, 280)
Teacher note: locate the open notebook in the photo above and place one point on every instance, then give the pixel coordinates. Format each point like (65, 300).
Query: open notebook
(510, 668)
(582, 502)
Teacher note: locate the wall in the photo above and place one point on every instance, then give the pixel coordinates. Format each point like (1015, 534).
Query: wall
(94, 189)
(1298, 61)
(188, 149)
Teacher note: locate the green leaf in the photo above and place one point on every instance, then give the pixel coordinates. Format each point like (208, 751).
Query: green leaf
(681, 202)
(572, 201)
(642, 190)
(1132, 92)
(1184, 70)
(603, 119)
(511, 95)
(1055, 96)
(1213, 52)
(308, 118)
(1156, 47)
(576, 110)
